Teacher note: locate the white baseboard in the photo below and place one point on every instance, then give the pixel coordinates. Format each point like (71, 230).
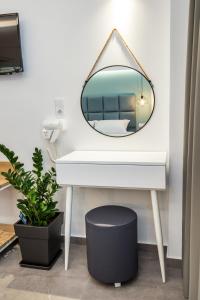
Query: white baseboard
(150, 243)
(174, 257)
(140, 241)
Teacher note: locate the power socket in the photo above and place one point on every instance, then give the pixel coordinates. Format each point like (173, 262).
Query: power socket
(59, 106)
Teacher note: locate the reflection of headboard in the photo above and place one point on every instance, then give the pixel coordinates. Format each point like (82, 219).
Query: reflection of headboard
(111, 108)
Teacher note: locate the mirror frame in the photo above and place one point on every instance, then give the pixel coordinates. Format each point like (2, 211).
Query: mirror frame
(151, 85)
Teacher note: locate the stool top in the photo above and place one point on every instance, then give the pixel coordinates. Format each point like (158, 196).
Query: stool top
(110, 216)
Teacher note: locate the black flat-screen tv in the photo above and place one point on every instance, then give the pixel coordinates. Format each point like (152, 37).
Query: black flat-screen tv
(10, 46)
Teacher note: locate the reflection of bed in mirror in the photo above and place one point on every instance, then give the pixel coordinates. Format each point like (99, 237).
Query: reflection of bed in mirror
(117, 101)
(114, 115)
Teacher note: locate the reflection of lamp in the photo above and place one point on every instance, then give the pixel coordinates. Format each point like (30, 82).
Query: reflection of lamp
(141, 100)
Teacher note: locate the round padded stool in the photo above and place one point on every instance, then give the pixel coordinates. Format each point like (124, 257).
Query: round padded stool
(111, 239)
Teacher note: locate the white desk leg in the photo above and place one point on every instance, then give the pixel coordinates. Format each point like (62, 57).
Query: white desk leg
(68, 208)
(158, 231)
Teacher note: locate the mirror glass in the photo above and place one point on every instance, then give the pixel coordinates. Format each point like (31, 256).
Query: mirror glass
(117, 101)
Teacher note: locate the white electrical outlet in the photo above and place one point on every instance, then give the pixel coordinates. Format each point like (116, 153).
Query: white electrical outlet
(59, 106)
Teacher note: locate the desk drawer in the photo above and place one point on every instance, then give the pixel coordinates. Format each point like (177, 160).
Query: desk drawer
(105, 175)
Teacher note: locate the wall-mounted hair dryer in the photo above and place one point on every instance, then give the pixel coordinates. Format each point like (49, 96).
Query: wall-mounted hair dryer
(52, 129)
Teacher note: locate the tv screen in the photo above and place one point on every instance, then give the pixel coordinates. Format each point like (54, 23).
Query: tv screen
(10, 47)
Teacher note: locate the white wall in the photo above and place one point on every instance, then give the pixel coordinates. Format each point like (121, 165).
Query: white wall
(179, 27)
(61, 40)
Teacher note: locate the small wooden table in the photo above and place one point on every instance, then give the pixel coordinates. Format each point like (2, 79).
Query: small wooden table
(7, 234)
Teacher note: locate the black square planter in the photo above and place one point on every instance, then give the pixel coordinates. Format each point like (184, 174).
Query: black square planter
(40, 245)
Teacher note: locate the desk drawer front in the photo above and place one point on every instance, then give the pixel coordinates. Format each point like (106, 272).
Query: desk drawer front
(122, 176)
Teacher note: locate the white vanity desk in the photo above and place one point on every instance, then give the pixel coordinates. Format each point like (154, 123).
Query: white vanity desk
(114, 169)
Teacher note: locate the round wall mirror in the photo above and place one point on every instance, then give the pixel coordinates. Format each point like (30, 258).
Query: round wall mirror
(117, 101)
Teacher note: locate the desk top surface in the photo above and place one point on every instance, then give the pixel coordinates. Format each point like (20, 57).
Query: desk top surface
(114, 157)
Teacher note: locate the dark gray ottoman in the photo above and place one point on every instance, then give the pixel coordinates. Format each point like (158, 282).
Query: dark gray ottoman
(111, 239)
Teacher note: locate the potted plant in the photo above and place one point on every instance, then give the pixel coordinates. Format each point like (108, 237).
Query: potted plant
(39, 227)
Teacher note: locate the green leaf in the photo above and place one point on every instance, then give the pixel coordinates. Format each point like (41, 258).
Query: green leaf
(37, 187)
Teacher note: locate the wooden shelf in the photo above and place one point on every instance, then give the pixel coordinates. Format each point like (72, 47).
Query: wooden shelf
(7, 235)
(4, 166)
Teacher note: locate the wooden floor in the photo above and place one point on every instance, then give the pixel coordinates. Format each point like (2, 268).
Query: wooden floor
(6, 234)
